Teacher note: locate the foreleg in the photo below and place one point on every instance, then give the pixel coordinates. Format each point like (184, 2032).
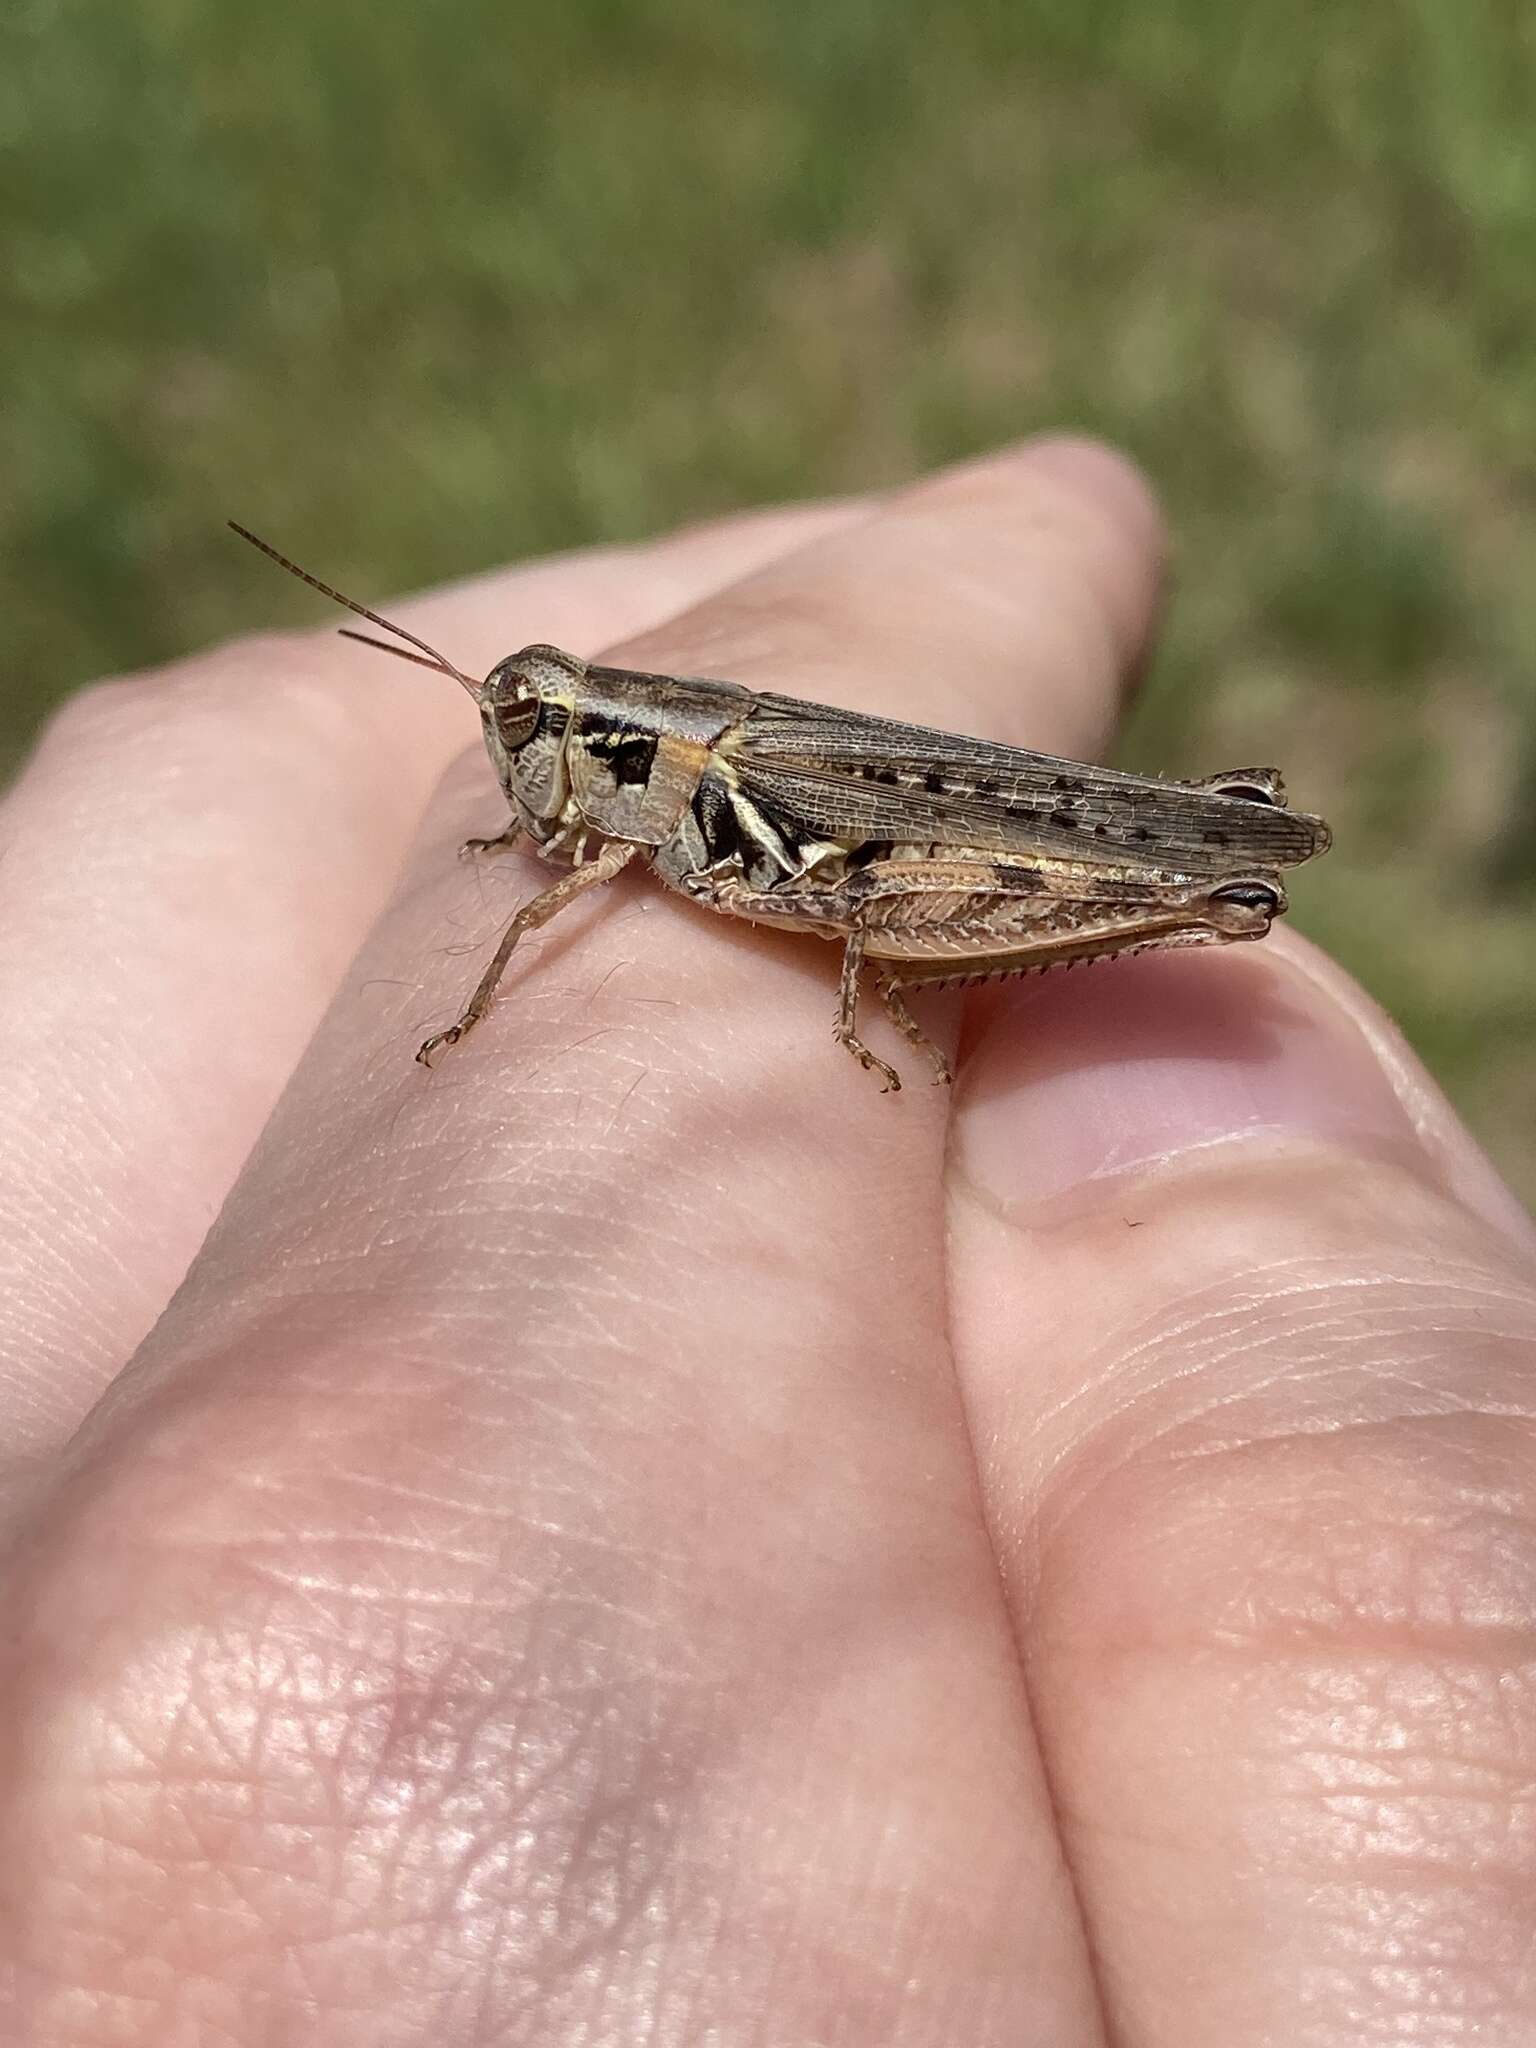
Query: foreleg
(615, 855)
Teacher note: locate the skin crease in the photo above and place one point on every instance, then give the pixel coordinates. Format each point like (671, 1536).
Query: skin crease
(633, 1536)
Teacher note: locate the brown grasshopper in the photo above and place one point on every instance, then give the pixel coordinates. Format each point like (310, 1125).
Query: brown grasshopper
(931, 857)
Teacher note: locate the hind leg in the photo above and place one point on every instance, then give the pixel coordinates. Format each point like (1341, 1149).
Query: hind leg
(908, 1026)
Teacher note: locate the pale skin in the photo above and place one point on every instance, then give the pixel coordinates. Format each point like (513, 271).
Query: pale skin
(632, 1535)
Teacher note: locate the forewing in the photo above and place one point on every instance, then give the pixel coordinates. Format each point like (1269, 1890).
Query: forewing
(857, 778)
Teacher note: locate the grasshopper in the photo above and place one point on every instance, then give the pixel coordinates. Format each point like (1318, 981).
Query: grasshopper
(933, 859)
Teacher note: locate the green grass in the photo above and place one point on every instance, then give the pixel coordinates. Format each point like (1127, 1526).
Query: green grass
(421, 288)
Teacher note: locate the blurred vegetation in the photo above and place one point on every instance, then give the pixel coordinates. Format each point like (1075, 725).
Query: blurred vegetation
(419, 288)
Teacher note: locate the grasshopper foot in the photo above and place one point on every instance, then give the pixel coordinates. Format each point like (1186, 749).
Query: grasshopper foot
(869, 1061)
(908, 1026)
(502, 843)
(437, 1042)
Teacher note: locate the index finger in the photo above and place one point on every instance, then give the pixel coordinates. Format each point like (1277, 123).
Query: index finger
(586, 1404)
(186, 865)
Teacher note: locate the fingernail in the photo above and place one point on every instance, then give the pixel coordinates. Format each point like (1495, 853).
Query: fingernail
(1085, 1079)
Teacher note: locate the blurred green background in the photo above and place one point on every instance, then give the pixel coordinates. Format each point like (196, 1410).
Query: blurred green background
(418, 288)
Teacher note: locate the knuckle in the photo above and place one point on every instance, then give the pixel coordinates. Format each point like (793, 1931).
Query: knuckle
(84, 718)
(260, 680)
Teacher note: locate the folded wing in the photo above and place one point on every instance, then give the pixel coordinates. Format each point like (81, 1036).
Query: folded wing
(857, 779)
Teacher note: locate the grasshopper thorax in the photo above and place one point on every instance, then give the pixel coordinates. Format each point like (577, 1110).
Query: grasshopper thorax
(526, 706)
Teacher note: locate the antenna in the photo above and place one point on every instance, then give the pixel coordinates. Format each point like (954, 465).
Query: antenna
(438, 661)
(401, 653)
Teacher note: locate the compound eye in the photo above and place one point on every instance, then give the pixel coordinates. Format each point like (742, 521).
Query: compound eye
(516, 719)
(513, 699)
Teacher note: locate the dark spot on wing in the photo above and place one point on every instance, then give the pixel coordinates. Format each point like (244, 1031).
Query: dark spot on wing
(933, 781)
(1064, 821)
(870, 850)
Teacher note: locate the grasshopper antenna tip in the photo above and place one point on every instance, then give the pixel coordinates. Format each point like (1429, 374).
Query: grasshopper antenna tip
(437, 661)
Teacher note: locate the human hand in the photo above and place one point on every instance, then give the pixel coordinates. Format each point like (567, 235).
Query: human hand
(634, 1536)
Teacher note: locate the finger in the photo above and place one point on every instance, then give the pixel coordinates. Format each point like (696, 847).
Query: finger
(185, 868)
(1007, 597)
(587, 1406)
(1245, 1327)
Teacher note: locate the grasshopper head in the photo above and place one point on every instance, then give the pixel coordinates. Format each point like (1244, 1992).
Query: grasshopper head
(526, 707)
(525, 703)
